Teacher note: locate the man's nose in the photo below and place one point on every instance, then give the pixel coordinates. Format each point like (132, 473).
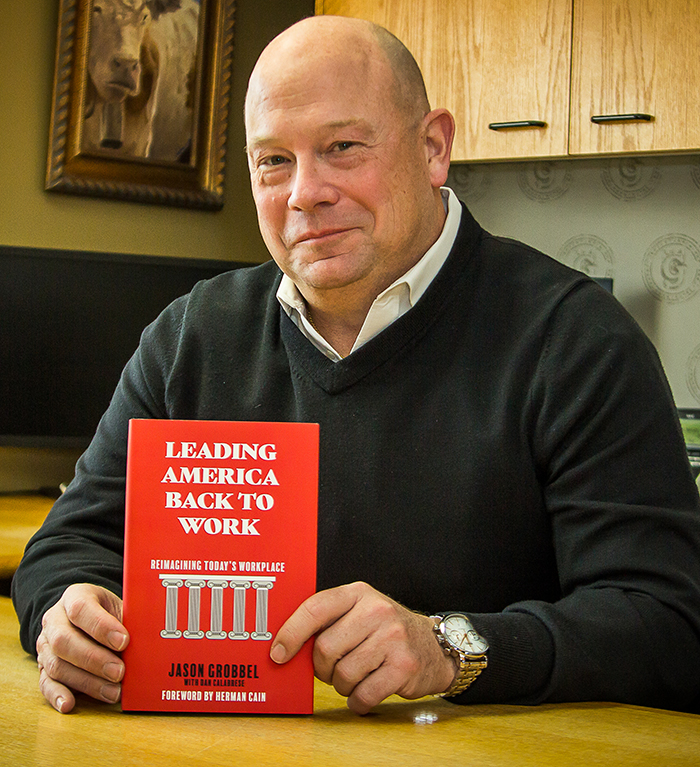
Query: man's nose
(312, 185)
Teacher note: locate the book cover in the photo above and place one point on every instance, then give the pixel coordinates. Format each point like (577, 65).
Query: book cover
(220, 549)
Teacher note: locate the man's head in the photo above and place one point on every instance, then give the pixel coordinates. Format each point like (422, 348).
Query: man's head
(346, 157)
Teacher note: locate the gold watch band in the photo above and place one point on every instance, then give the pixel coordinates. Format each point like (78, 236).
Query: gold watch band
(467, 672)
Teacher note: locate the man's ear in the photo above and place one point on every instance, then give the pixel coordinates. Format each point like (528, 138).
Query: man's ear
(439, 131)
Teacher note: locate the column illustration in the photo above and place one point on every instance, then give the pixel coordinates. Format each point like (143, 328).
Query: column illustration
(262, 588)
(171, 585)
(193, 608)
(217, 586)
(239, 588)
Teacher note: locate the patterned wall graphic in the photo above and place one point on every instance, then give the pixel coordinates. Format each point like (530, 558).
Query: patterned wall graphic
(470, 182)
(545, 181)
(635, 219)
(672, 268)
(589, 254)
(630, 178)
(695, 173)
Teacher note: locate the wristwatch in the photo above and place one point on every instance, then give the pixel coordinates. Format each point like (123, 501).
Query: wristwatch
(458, 638)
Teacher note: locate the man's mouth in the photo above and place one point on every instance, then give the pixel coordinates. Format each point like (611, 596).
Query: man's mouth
(319, 235)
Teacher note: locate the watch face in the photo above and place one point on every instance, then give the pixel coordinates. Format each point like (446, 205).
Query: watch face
(461, 634)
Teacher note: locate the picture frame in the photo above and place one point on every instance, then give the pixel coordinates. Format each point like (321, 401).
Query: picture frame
(141, 99)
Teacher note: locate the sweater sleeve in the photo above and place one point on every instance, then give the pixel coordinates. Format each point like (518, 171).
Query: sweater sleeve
(82, 539)
(625, 520)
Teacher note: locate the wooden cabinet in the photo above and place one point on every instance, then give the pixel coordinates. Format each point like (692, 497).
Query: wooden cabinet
(549, 66)
(635, 57)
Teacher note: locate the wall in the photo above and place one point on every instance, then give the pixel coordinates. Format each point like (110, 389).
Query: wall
(633, 219)
(29, 216)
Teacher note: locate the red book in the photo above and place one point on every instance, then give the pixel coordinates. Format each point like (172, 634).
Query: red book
(220, 549)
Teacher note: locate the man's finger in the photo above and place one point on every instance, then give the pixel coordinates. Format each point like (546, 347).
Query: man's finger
(59, 676)
(314, 614)
(58, 695)
(61, 640)
(346, 651)
(374, 688)
(354, 667)
(97, 612)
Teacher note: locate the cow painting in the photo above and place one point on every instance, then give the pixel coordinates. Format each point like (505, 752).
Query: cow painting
(140, 98)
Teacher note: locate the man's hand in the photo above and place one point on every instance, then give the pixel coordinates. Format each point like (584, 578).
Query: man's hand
(367, 646)
(76, 644)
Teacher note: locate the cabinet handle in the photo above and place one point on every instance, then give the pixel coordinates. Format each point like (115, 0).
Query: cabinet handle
(518, 124)
(635, 117)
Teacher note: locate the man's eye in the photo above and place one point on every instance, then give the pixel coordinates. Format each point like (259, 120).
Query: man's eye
(275, 159)
(343, 146)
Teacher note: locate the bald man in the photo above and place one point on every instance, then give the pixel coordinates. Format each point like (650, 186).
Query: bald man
(499, 447)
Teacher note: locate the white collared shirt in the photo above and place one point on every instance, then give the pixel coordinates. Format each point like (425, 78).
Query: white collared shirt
(392, 302)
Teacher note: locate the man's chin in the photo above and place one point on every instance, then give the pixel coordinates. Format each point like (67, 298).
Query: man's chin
(332, 272)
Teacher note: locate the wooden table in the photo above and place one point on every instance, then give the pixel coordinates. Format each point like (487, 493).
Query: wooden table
(425, 732)
(20, 517)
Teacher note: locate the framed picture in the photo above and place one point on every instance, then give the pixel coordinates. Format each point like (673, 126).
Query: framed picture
(141, 100)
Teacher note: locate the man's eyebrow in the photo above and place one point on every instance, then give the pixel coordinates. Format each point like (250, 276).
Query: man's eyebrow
(360, 123)
(355, 122)
(366, 128)
(262, 141)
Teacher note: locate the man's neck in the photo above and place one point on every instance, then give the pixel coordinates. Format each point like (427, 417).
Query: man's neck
(340, 329)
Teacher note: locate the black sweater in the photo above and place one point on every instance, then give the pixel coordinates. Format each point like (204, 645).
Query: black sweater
(508, 448)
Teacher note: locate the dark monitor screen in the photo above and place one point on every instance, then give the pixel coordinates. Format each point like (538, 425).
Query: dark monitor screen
(70, 321)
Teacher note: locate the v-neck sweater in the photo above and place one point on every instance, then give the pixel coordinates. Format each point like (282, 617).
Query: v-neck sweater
(507, 448)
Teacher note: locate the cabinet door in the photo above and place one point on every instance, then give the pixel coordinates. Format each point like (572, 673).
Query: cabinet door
(635, 57)
(488, 62)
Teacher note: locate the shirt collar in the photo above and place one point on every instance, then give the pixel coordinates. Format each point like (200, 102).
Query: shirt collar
(421, 274)
(409, 287)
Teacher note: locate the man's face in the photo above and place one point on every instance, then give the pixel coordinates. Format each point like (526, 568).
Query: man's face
(339, 176)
